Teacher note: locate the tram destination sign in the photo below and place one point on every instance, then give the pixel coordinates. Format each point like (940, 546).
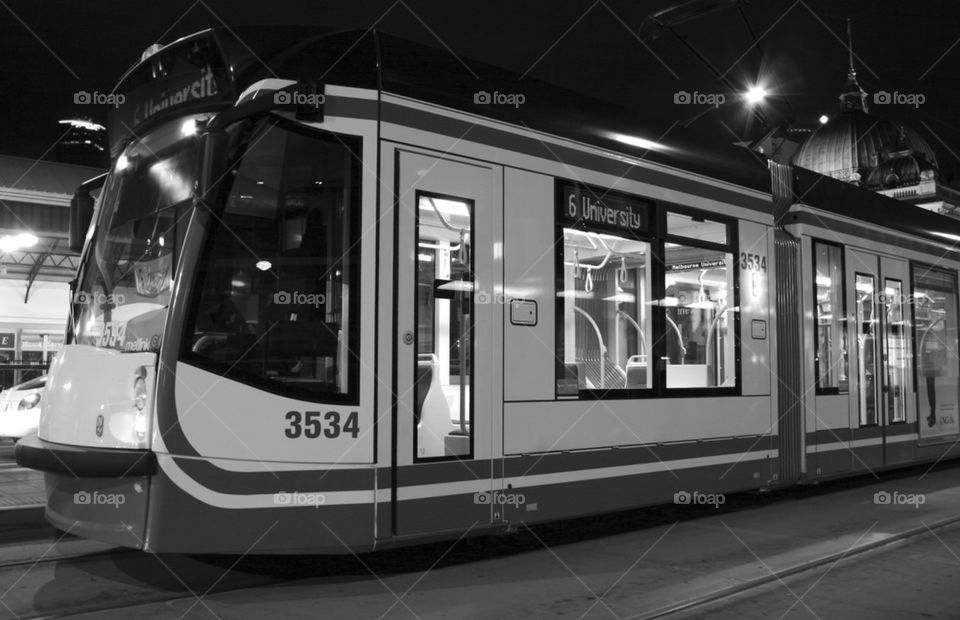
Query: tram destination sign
(589, 207)
(181, 78)
(706, 263)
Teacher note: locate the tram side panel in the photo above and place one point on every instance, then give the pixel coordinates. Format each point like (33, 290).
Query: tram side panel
(868, 374)
(758, 329)
(613, 448)
(757, 333)
(529, 285)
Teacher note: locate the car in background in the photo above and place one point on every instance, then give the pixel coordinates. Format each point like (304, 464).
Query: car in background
(20, 408)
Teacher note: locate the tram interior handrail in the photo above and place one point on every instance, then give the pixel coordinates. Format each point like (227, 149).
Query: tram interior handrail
(462, 246)
(683, 349)
(636, 326)
(710, 335)
(603, 347)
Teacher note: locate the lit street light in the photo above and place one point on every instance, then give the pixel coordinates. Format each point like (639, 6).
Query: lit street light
(755, 95)
(20, 241)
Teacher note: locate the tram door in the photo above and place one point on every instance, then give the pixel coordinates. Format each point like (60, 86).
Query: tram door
(882, 402)
(447, 322)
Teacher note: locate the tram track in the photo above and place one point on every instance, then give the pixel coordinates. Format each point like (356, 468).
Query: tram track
(117, 579)
(781, 575)
(67, 557)
(111, 579)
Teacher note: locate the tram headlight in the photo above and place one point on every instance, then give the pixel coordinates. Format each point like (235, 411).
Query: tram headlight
(29, 402)
(140, 401)
(141, 412)
(140, 425)
(139, 393)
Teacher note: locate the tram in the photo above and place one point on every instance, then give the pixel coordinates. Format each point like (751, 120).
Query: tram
(341, 292)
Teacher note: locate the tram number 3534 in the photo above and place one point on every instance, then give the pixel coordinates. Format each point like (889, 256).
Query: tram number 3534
(313, 424)
(753, 262)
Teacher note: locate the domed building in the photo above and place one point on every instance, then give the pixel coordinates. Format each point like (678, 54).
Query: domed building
(878, 154)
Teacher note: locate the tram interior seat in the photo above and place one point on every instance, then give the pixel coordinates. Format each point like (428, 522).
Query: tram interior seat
(424, 379)
(433, 412)
(637, 371)
(687, 375)
(298, 330)
(301, 332)
(591, 370)
(569, 383)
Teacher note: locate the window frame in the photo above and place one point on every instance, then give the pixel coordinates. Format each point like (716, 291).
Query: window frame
(655, 235)
(820, 390)
(886, 350)
(731, 247)
(471, 400)
(878, 379)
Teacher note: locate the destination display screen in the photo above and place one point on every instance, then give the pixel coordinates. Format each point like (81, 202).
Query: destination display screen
(183, 78)
(583, 207)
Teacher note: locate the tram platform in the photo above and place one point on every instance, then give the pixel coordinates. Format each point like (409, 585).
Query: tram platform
(614, 564)
(22, 495)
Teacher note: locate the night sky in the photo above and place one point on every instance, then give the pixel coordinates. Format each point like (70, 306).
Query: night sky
(52, 49)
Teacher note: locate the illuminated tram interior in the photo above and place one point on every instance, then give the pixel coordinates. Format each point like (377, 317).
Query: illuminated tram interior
(608, 302)
(444, 327)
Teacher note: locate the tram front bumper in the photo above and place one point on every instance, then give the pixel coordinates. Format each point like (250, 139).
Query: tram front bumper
(84, 461)
(96, 493)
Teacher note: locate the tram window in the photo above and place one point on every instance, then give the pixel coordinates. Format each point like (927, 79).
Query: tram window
(699, 317)
(276, 299)
(935, 335)
(867, 342)
(606, 336)
(443, 401)
(830, 326)
(896, 351)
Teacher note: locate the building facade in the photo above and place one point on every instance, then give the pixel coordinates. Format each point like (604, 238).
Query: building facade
(36, 263)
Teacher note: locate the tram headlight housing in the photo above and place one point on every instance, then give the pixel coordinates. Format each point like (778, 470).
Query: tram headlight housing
(139, 393)
(140, 425)
(140, 402)
(29, 401)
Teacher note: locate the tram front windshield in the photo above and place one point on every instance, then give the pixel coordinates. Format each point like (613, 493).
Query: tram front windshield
(125, 286)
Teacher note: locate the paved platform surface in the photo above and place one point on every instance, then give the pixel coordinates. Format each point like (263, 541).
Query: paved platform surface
(22, 494)
(630, 573)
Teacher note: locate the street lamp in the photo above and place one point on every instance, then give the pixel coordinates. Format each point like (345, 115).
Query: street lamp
(19, 241)
(755, 95)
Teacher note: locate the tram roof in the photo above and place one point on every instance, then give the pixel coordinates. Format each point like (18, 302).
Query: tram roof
(833, 196)
(376, 60)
